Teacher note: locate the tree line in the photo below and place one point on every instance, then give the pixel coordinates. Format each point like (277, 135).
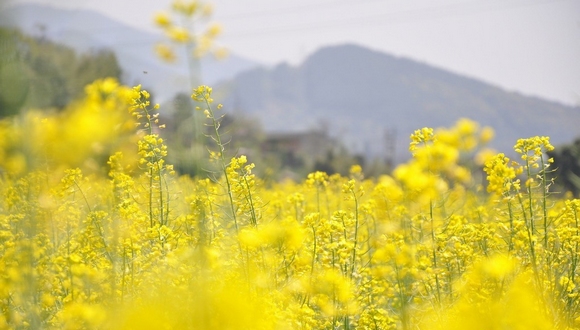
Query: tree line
(38, 73)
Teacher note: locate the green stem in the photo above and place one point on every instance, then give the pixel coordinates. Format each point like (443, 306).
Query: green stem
(161, 211)
(313, 252)
(529, 229)
(218, 140)
(251, 202)
(529, 190)
(544, 203)
(355, 235)
(511, 216)
(434, 249)
(151, 197)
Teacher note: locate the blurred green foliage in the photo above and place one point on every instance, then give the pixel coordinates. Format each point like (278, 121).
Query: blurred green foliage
(37, 73)
(567, 165)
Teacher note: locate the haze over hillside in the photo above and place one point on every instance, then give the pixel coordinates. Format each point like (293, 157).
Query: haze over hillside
(358, 94)
(361, 95)
(86, 30)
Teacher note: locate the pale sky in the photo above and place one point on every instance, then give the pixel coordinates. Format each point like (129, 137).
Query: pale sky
(528, 46)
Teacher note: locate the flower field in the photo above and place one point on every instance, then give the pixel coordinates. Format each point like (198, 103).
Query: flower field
(97, 231)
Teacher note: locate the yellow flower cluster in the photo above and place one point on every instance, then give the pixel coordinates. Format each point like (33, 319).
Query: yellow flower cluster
(202, 94)
(439, 159)
(501, 177)
(421, 137)
(81, 135)
(140, 248)
(188, 14)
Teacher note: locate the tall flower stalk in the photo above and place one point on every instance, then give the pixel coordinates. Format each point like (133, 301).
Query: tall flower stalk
(203, 94)
(152, 152)
(182, 27)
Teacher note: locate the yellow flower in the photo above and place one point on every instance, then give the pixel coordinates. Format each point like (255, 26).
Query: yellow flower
(186, 8)
(178, 34)
(422, 136)
(498, 266)
(202, 94)
(532, 151)
(500, 176)
(162, 19)
(165, 53)
(220, 53)
(214, 30)
(486, 135)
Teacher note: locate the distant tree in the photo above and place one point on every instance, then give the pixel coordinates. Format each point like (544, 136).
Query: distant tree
(567, 165)
(102, 63)
(323, 167)
(48, 85)
(14, 78)
(36, 73)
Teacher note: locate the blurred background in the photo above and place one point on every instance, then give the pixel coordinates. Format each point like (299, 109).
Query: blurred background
(310, 85)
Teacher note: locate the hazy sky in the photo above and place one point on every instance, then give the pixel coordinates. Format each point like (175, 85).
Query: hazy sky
(529, 46)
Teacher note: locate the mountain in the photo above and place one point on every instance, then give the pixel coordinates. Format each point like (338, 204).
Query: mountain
(359, 95)
(363, 95)
(87, 31)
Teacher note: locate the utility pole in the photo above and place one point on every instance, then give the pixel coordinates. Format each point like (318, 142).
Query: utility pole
(390, 136)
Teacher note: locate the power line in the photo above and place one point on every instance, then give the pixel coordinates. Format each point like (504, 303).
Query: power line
(385, 18)
(293, 9)
(403, 16)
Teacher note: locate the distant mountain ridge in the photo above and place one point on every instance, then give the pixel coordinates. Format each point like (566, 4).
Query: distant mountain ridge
(361, 95)
(86, 31)
(358, 94)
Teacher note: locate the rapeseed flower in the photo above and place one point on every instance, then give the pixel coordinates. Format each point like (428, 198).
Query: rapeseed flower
(135, 245)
